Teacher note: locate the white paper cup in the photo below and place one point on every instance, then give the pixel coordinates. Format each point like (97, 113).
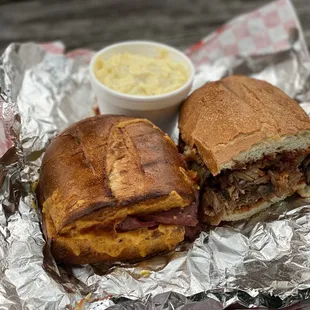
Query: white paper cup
(162, 110)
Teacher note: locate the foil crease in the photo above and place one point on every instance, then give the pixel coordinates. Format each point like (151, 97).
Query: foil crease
(260, 262)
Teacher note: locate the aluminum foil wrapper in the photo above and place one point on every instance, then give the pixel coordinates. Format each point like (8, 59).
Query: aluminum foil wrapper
(261, 262)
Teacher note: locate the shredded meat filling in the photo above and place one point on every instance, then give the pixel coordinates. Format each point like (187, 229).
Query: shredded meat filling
(275, 174)
(306, 169)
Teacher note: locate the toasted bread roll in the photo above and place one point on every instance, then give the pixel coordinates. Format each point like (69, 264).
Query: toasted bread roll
(247, 140)
(114, 188)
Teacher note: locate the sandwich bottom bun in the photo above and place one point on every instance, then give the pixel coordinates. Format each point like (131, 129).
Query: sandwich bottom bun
(250, 210)
(108, 246)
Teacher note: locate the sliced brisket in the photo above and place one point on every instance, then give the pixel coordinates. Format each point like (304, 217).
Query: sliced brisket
(185, 217)
(177, 216)
(133, 223)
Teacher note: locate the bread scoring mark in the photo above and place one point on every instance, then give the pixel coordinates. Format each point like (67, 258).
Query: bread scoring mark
(81, 145)
(134, 121)
(132, 149)
(124, 173)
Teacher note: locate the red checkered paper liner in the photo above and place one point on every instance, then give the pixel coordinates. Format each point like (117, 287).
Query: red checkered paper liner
(266, 30)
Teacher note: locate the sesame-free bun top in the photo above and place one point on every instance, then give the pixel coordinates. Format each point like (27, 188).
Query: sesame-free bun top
(239, 119)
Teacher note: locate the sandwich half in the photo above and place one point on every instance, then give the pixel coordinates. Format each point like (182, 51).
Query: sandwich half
(114, 188)
(249, 143)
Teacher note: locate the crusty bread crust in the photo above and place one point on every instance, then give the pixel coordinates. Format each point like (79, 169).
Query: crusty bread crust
(240, 119)
(102, 169)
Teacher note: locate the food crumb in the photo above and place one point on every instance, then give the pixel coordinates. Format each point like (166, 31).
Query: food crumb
(145, 273)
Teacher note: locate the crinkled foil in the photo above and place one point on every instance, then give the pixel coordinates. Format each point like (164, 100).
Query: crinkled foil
(264, 261)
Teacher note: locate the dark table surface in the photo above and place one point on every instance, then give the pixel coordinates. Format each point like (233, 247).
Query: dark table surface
(96, 23)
